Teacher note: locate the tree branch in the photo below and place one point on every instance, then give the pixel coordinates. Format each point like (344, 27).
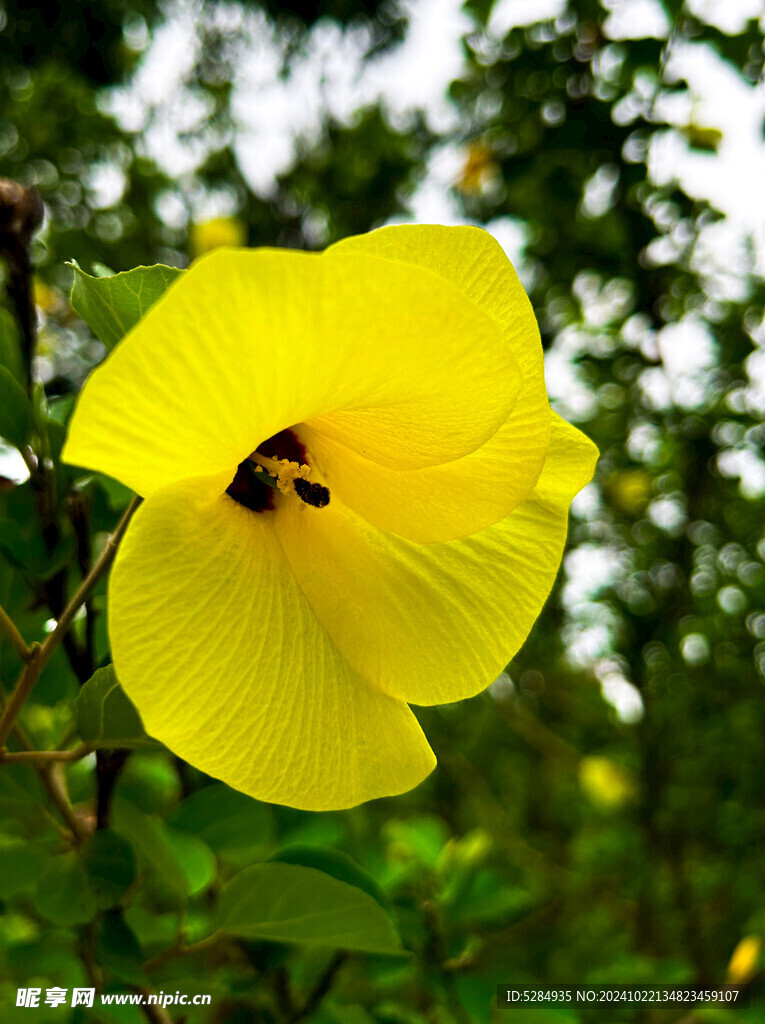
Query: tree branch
(42, 652)
(18, 642)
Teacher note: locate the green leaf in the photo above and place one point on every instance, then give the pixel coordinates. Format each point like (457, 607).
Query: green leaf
(295, 904)
(63, 893)
(110, 306)
(15, 410)
(10, 349)
(106, 716)
(331, 862)
(238, 828)
(149, 781)
(21, 864)
(118, 950)
(184, 863)
(110, 863)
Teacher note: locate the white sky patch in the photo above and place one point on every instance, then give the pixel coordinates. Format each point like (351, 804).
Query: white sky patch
(746, 464)
(755, 392)
(730, 16)
(417, 74)
(719, 97)
(588, 503)
(635, 19)
(569, 391)
(590, 635)
(434, 200)
(274, 110)
(722, 257)
(655, 388)
(668, 513)
(512, 235)
(688, 352)
(170, 57)
(590, 568)
(331, 77)
(592, 624)
(509, 14)
(623, 696)
(599, 191)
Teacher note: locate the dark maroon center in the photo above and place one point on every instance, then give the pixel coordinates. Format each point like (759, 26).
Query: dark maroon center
(248, 488)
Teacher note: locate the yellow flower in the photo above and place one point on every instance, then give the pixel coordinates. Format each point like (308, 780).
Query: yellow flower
(479, 169)
(744, 961)
(630, 490)
(204, 236)
(274, 636)
(605, 782)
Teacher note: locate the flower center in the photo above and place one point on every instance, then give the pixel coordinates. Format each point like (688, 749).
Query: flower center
(277, 464)
(292, 478)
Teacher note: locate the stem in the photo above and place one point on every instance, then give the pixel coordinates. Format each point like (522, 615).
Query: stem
(75, 754)
(321, 988)
(51, 775)
(44, 776)
(42, 652)
(109, 764)
(77, 507)
(18, 642)
(181, 950)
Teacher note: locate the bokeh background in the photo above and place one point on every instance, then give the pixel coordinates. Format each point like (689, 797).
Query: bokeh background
(597, 815)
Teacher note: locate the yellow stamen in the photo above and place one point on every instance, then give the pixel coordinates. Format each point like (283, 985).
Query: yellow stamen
(285, 472)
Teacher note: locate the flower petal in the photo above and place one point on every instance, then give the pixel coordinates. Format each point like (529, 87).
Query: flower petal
(437, 623)
(457, 498)
(219, 649)
(250, 342)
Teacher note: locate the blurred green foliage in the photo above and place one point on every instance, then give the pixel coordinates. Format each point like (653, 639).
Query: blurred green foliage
(598, 815)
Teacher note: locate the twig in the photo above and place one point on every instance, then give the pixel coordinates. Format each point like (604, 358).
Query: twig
(77, 507)
(42, 652)
(25, 741)
(75, 754)
(321, 988)
(18, 642)
(51, 776)
(181, 950)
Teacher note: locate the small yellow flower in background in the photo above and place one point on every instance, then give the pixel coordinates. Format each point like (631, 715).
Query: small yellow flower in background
(479, 169)
(46, 298)
(207, 235)
(356, 498)
(744, 961)
(605, 782)
(630, 490)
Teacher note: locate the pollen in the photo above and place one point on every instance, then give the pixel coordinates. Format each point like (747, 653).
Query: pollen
(293, 478)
